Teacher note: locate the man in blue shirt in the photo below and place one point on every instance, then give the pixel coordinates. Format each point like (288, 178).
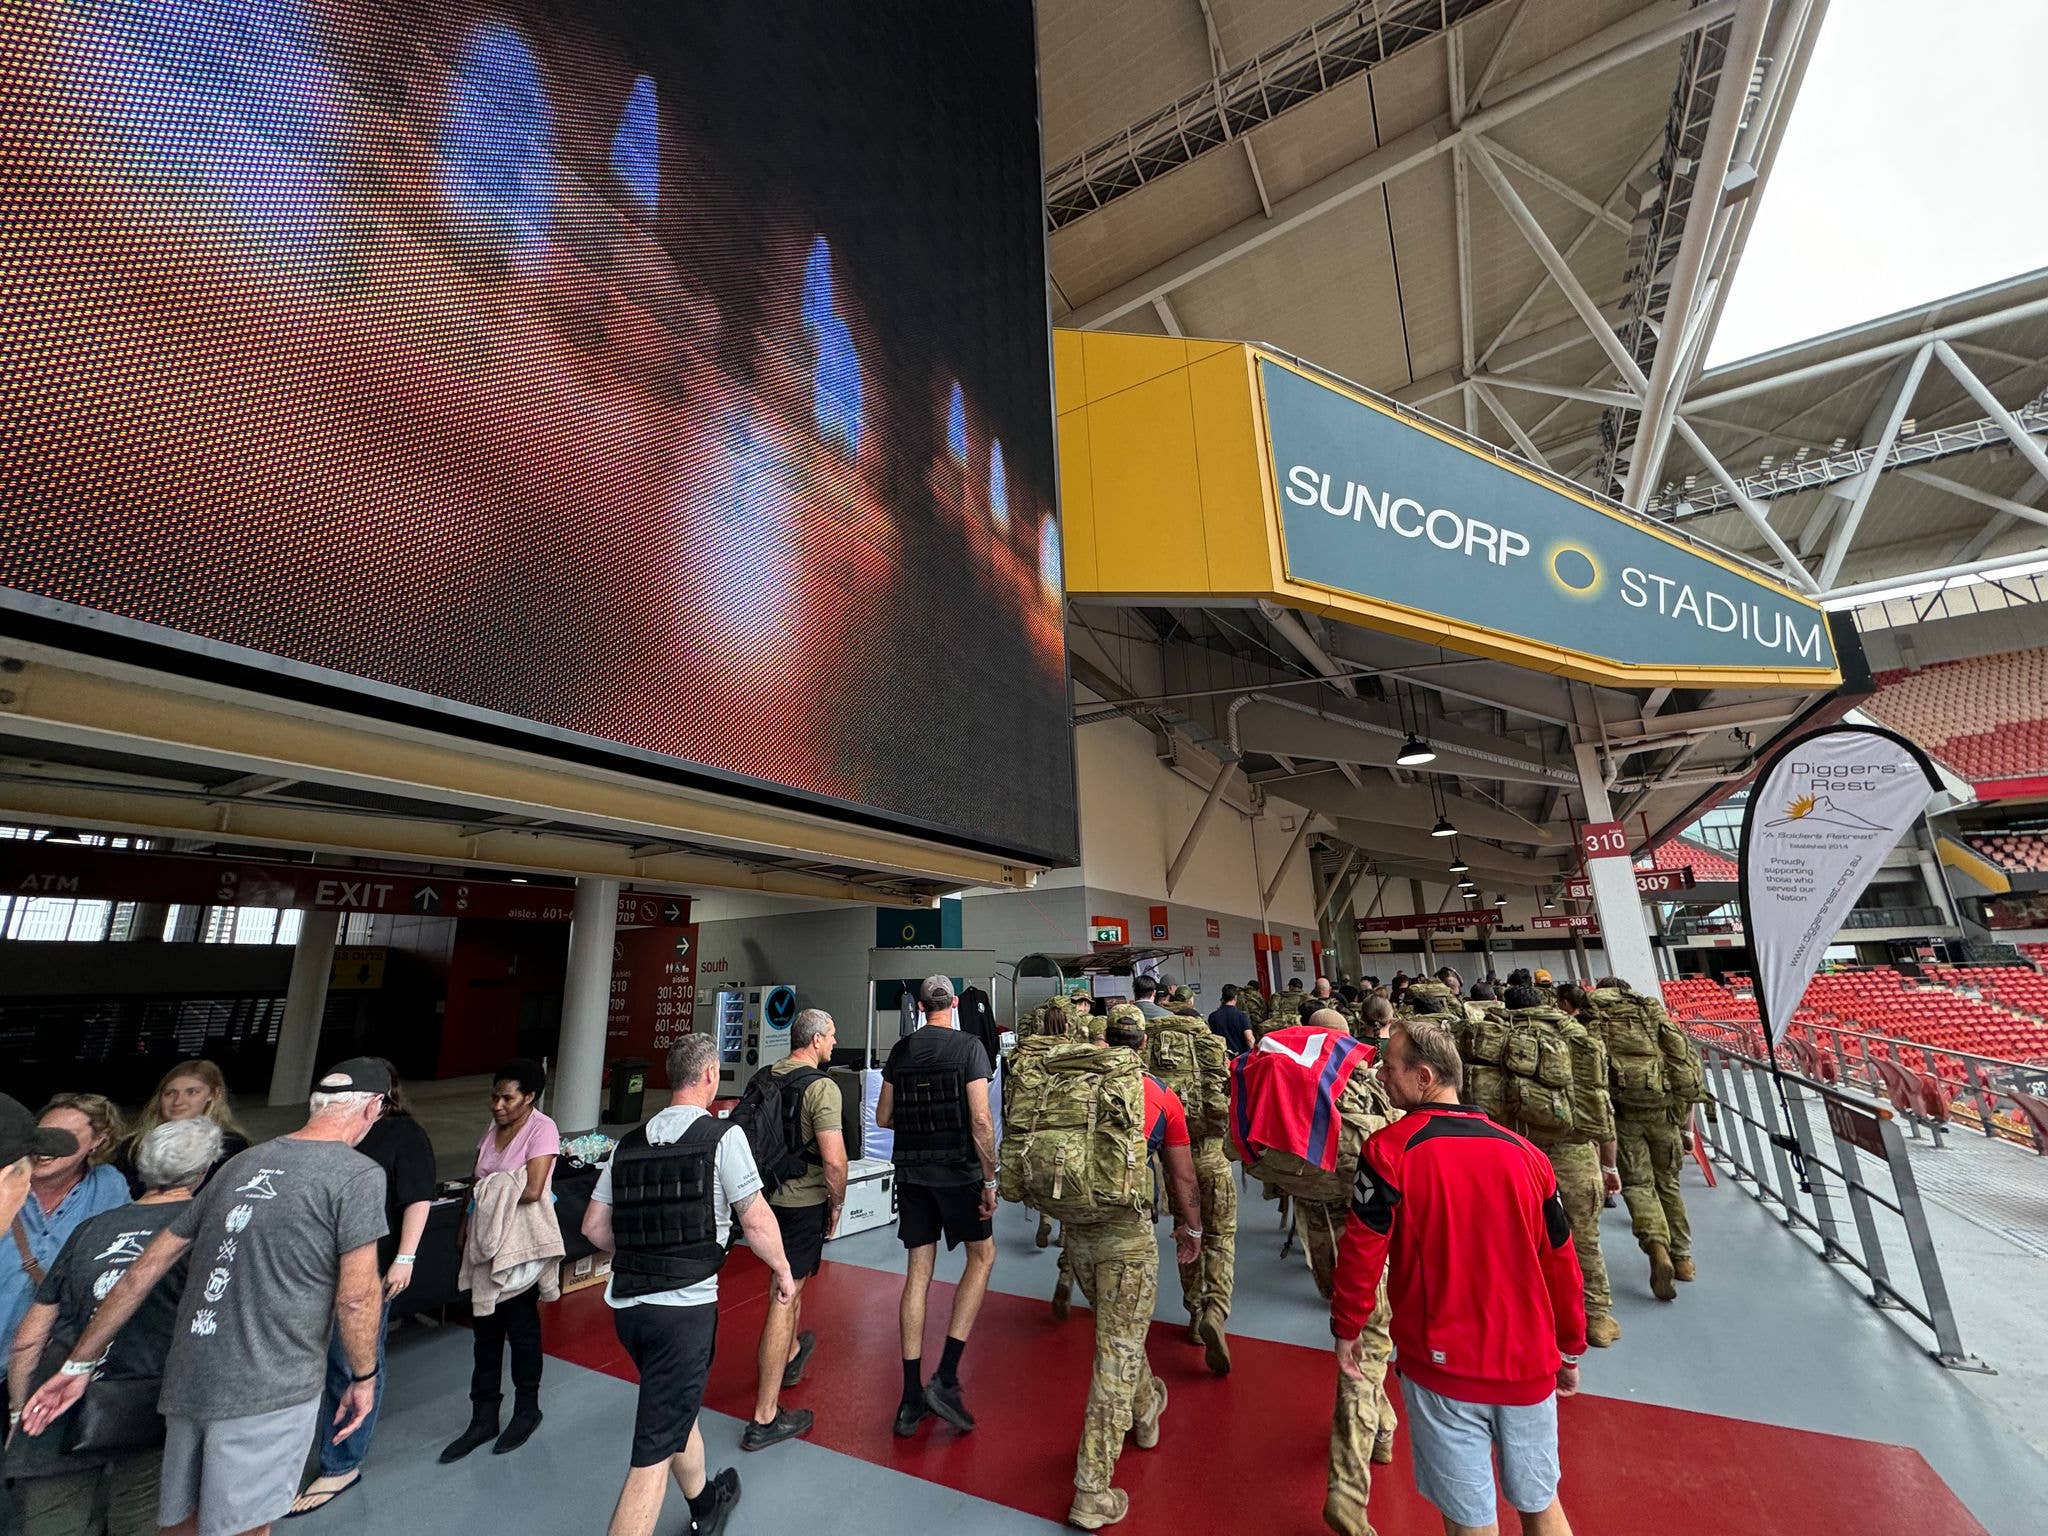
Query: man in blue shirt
(1232, 1023)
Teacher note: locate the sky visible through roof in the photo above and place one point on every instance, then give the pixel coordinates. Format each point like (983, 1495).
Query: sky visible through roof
(1908, 171)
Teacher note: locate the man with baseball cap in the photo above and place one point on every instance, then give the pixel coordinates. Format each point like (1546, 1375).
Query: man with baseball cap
(284, 1251)
(21, 1139)
(935, 1100)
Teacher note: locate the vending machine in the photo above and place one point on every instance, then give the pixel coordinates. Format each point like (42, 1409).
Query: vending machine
(753, 1033)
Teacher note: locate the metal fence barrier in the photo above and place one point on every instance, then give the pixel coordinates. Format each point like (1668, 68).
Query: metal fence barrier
(1752, 1140)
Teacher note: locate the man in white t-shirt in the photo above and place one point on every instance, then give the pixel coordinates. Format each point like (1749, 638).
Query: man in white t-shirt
(664, 1207)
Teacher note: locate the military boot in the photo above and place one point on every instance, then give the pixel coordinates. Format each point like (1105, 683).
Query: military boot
(1092, 1511)
(1044, 1230)
(1195, 1325)
(1344, 1517)
(1681, 1267)
(1215, 1343)
(1662, 1273)
(1145, 1430)
(1062, 1297)
(1602, 1331)
(1383, 1448)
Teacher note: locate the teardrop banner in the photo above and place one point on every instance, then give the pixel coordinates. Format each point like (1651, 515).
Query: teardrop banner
(1824, 812)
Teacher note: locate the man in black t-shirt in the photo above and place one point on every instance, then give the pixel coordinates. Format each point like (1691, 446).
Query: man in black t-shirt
(935, 1100)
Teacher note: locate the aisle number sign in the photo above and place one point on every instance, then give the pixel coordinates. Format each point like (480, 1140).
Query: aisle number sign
(1603, 840)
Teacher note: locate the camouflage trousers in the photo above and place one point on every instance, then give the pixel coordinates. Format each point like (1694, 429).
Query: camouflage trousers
(1364, 1411)
(1577, 1165)
(1651, 1156)
(1209, 1281)
(1116, 1265)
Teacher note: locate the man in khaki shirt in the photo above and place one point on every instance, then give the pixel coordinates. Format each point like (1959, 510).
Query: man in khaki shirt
(807, 1209)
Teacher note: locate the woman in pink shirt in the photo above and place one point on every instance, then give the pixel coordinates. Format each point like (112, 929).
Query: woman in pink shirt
(521, 1140)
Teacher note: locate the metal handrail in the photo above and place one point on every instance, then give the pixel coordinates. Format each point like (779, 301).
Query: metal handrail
(1784, 1165)
(1972, 1084)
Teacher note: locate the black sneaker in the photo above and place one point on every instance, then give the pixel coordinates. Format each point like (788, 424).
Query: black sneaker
(944, 1400)
(727, 1486)
(786, 1425)
(793, 1373)
(909, 1415)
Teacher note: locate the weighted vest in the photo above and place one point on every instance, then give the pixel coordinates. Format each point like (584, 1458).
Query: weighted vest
(930, 1118)
(664, 1210)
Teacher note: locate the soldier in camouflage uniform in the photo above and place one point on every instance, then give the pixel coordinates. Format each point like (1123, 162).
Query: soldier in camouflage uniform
(1578, 1164)
(1116, 1263)
(1546, 988)
(1254, 1004)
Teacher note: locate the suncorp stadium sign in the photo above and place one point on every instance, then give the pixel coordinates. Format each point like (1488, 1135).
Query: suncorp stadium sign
(1384, 509)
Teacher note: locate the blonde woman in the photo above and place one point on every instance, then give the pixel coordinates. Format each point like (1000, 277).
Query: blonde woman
(191, 1088)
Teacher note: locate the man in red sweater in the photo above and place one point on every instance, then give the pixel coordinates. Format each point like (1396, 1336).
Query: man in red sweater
(1489, 1316)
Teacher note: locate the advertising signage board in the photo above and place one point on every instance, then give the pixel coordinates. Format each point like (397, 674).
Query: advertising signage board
(1383, 506)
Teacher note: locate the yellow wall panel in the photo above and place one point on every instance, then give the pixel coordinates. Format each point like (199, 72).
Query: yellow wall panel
(1148, 494)
(1236, 524)
(1112, 364)
(1069, 372)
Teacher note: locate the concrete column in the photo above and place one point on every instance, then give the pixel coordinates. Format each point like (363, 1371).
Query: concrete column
(1581, 959)
(147, 925)
(305, 1000)
(1624, 933)
(586, 1004)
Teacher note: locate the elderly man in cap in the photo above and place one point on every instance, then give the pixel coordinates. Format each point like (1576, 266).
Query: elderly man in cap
(935, 1099)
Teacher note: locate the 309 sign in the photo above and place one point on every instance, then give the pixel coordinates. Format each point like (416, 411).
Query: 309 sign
(1603, 840)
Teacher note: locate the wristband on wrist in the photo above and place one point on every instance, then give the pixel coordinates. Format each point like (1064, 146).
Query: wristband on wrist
(81, 1367)
(368, 1376)
(1572, 1360)
(404, 1258)
(990, 1183)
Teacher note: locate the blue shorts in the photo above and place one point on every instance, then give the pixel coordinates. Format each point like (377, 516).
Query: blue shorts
(1452, 1444)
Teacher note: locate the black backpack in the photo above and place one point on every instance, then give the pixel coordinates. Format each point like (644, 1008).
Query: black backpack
(771, 1113)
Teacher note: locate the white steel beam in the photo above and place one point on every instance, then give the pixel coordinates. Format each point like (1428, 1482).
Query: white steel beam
(1852, 516)
(2006, 506)
(1605, 50)
(1868, 357)
(1224, 774)
(1499, 55)
(1660, 400)
(1980, 392)
(1167, 317)
(1584, 394)
(1522, 440)
(1759, 518)
(1598, 212)
(1917, 583)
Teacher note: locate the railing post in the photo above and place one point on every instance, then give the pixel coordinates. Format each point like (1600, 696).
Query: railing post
(1816, 1176)
(1948, 1337)
(1716, 1074)
(1866, 1224)
(1981, 1099)
(1738, 1078)
(1787, 1195)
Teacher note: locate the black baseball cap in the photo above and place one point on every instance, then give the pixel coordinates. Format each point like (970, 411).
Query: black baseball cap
(21, 1137)
(359, 1074)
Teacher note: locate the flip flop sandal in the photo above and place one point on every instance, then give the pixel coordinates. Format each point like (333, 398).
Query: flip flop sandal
(326, 1496)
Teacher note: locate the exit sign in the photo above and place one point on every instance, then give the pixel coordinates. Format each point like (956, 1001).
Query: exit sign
(1109, 930)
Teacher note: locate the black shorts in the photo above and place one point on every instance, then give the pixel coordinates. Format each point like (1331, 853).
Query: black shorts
(924, 1211)
(671, 1347)
(803, 1236)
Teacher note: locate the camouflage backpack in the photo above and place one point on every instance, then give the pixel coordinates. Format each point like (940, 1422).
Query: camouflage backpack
(1537, 1060)
(1362, 1108)
(1074, 1131)
(1684, 1078)
(1483, 1044)
(1188, 1056)
(1428, 997)
(1635, 1050)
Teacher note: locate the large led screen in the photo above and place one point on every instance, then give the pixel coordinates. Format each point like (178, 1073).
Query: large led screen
(670, 375)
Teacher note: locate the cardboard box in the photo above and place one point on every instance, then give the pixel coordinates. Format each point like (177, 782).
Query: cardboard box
(870, 1197)
(581, 1274)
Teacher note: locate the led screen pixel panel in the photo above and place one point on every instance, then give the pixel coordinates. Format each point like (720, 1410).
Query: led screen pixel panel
(670, 377)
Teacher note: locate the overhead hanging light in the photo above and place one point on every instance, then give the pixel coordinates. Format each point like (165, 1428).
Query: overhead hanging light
(1549, 902)
(1500, 900)
(1458, 864)
(1443, 828)
(1415, 752)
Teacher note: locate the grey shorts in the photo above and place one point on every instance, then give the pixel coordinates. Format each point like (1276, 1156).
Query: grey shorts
(1453, 1443)
(237, 1473)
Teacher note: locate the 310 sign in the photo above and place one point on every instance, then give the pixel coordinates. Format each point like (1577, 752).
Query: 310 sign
(1603, 840)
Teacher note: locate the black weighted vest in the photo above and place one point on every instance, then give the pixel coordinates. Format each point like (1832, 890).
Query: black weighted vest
(664, 1210)
(930, 1117)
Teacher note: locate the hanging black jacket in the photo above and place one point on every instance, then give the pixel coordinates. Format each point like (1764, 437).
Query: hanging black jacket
(978, 1018)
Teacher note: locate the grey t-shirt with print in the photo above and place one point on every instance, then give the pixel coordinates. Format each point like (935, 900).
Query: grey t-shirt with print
(267, 1234)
